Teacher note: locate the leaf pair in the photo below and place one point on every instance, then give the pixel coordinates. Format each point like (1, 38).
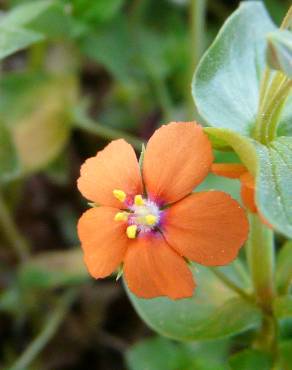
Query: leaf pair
(226, 90)
(14, 34)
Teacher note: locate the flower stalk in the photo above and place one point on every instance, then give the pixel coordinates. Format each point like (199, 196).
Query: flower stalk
(272, 100)
(260, 256)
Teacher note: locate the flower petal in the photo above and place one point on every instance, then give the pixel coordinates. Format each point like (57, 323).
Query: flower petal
(103, 240)
(153, 269)
(178, 157)
(230, 170)
(208, 228)
(115, 167)
(247, 192)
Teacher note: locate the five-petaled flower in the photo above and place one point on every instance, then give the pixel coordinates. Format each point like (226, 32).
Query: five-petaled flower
(150, 221)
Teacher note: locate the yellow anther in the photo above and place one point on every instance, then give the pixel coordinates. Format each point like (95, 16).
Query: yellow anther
(150, 220)
(121, 216)
(120, 195)
(139, 200)
(132, 231)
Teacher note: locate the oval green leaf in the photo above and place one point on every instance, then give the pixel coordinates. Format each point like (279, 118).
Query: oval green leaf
(214, 311)
(274, 183)
(226, 83)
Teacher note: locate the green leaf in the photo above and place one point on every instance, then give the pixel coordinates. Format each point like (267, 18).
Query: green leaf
(156, 354)
(96, 12)
(282, 306)
(280, 51)
(13, 37)
(160, 353)
(284, 270)
(274, 183)
(214, 311)
(45, 119)
(250, 359)
(12, 40)
(226, 83)
(118, 59)
(22, 14)
(53, 269)
(55, 23)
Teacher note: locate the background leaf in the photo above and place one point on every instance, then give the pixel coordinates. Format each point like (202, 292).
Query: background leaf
(250, 359)
(12, 40)
(22, 14)
(38, 129)
(53, 269)
(13, 37)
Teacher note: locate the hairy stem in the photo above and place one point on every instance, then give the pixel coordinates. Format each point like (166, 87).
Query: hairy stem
(271, 104)
(261, 256)
(197, 12)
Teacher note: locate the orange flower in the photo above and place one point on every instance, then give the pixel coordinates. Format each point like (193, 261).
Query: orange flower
(238, 171)
(151, 222)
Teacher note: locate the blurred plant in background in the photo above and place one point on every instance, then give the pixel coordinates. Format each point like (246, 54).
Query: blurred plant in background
(74, 75)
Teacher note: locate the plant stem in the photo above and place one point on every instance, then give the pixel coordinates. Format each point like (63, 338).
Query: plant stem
(230, 284)
(267, 338)
(11, 232)
(197, 45)
(287, 21)
(197, 28)
(260, 257)
(275, 109)
(271, 104)
(160, 87)
(50, 328)
(86, 123)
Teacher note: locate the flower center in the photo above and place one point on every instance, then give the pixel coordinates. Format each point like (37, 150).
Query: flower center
(142, 216)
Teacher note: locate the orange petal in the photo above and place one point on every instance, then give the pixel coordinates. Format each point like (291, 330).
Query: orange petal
(115, 167)
(103, 240)
(247, 192)
(208, 228)
(153, 269)
(178, 157)
(230, 170)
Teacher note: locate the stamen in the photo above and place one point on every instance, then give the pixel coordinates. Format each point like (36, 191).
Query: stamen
(120, 195)
(121, 216)
(139, 200)
(132, 231)
(151, 220)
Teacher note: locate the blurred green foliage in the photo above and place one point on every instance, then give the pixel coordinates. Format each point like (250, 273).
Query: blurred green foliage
(127, 66)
